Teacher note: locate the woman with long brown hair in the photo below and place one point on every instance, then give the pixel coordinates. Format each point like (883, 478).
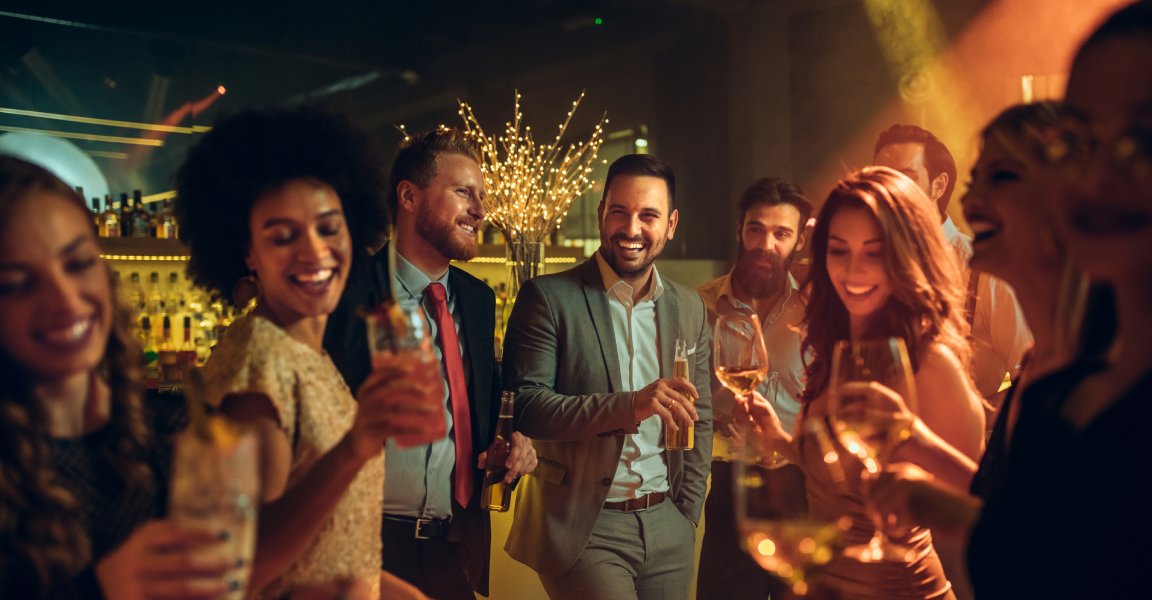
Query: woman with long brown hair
(881, 268)
(82, 459)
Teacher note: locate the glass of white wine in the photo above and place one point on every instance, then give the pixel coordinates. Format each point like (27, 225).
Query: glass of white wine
(739, 354)
(871, 423)
(741, 360)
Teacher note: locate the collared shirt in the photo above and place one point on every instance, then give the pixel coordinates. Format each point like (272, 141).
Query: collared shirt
(641, 469)
(418, 481)
(782, 336)
(1000, 336)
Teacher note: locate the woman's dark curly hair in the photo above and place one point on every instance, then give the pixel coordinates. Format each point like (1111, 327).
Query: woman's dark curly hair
(253, 152)
(43, 541)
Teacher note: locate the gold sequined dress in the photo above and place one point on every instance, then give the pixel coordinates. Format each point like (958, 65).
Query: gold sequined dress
(316, 409)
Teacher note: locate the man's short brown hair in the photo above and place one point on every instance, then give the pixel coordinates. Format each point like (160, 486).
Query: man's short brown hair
(416, 161)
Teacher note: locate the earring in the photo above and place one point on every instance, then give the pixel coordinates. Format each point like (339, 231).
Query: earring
(245, 290)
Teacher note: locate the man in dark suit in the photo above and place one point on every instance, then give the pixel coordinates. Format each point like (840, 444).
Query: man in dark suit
(436, 535)
(611, 513)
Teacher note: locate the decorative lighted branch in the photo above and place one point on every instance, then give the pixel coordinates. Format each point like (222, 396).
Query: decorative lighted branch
(531, 185)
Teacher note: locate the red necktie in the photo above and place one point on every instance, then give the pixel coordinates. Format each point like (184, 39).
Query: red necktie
(457, 392)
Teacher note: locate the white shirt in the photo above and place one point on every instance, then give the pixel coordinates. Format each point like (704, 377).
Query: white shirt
(1000, 336)
(641, 469)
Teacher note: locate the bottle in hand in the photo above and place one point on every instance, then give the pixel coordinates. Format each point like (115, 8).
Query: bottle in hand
(496, 495)
(680, 439)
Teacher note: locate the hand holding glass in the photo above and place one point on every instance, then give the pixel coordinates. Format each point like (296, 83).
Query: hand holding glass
(215, 487)
(399, 339)
(871, 407)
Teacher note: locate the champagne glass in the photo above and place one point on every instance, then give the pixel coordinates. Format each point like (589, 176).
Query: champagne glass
(741, 360)
(775, 528)
(871, 423)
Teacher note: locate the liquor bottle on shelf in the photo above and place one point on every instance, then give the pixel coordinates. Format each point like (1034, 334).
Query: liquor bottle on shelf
(187, 353)
(96, 212)
(153, 219)
(174, 296)
(153, 297)
(166, 228)
(125, 216)
(169, 355)
(108, 223)
(166, 333)
(141, 221)
(134, 294)
(151, 355)
(496, 495)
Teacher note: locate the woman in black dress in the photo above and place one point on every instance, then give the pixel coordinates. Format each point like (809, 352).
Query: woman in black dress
(82, 461)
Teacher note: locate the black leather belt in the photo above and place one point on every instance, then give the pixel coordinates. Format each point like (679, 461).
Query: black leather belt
(635, 504)
(422, 528)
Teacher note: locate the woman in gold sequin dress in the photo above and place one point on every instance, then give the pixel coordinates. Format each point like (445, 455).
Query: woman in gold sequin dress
(287, 201)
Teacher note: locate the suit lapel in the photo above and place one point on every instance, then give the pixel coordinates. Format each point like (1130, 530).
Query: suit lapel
(597, 300)
(667, 329)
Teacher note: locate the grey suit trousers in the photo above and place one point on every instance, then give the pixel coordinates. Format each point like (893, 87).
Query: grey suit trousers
(642, 555)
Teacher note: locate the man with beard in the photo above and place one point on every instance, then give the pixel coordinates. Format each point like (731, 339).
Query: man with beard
(610, 513)
(436, 535)
(773, 214)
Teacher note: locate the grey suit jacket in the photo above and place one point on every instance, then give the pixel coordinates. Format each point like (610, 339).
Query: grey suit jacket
(560, 356)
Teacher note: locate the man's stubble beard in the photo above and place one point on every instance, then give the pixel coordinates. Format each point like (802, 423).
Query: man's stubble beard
(442, 237)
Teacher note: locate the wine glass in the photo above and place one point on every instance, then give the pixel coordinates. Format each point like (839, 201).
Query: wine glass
(774, 525)
(872, 422)
(741, 360)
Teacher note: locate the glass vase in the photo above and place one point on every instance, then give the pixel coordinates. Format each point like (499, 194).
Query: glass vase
(525, 260)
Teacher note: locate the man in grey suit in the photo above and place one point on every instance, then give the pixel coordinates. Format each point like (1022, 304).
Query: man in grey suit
(609, 512)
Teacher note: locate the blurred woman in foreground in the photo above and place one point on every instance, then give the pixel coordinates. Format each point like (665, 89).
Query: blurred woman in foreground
(83, 461)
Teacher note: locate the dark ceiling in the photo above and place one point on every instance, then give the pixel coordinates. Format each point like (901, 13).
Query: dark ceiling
(144, 63)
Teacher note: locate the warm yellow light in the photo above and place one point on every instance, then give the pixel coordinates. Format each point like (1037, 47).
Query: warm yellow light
(92, 121)
(114, 139)
(145, 257)
(531, 185)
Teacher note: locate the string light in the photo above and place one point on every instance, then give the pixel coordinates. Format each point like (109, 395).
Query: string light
(530, 185)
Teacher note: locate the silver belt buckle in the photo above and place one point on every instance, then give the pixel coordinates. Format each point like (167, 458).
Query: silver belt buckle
(420, 522)
(647, 501)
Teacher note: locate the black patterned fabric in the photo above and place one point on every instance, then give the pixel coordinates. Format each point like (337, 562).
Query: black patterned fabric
(109, 509)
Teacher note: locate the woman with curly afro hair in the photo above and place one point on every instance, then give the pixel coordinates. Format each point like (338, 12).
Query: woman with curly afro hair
(284, 201)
